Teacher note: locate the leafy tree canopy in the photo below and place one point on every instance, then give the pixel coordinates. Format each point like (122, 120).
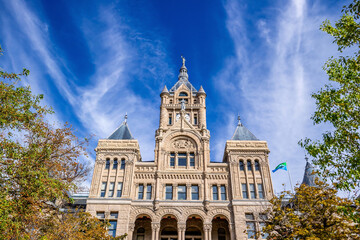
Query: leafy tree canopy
(313, 213)
(38, 166)
(337, 154)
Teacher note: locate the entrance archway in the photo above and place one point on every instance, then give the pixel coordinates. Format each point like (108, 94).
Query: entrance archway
(194, 228)
(220, 228)
(168, 228)
(142, 230)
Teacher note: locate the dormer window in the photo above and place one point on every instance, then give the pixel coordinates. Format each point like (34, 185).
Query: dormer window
(183, 94)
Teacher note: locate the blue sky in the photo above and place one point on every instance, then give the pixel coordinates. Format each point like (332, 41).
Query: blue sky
(96, 60)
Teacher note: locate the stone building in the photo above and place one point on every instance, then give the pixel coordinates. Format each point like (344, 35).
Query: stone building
(181, 194)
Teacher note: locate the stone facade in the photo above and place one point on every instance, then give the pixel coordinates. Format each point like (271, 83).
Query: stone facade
(181, 194)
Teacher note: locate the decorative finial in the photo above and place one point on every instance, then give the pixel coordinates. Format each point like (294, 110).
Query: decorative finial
(183, 59)
(126, 116)
(306, 158)
(239, 123)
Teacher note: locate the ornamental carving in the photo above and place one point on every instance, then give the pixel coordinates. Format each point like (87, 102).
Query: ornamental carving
(183, 144)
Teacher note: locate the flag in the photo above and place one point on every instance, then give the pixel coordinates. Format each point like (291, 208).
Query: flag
(280, 166)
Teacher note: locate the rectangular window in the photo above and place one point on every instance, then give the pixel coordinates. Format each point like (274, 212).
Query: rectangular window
(122, 165)
(141, 191)
(195, 192)
(250, 227)
(111, 189)
(192, 160)
(168, 192)
(263, 216)
(181, 192)
(223, 192)
(195, 119)
(215, 192)
(100, 215)
(260, 191)
(115, 164)
(249, 216)
(148, 191)
(252, 191)
(112, 228)
(119, 189)
(107, 164)
(263, 235)
(244, 191)
(114, 215)
(172, 159)
(170, 119)
(103, 189)
(182, 159)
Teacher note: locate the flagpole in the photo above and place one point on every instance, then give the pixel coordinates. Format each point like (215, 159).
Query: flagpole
(288, 170)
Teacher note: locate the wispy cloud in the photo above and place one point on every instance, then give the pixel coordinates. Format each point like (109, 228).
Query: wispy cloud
(101, 104)
(275, 92)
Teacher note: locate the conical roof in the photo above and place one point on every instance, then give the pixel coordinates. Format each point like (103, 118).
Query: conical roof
(309, 175)
(243, 134)
(201, 90)
(183, 78)
(122, 132)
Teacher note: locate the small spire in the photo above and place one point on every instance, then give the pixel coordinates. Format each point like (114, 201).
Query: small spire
(125, 117)
(239, 122)
(165, 90)
(201, 89)
(306, 158)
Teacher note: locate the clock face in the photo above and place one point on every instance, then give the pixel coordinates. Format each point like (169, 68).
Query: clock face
(177, 116)
(187, 117)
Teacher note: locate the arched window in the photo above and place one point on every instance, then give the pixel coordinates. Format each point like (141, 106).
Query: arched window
(221, 234)
(257, 165)
(115, 164)
(107, 164)
(183, 94)
(241, 164)
(122, 165)
(249, 165)
(140, 234)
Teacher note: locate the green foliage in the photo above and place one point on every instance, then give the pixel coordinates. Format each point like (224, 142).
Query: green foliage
(338, 103)
(38, 166)
(313, 213)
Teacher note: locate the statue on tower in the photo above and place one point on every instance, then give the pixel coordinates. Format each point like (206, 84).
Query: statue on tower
(183, 59)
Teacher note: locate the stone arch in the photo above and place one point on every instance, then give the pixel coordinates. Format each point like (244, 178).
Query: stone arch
(141, 211)
(167, 211)
(196, 212)
(169, 137)
(219, 212)
(184, 142)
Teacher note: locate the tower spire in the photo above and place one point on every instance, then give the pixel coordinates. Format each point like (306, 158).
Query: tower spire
(183, 75)
(239, 122)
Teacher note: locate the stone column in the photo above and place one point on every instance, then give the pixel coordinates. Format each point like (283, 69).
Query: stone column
(181, 230)
(175, 189)
(130, 231)
(207, 231)
(155, 227)
(231, 230)
(188, 191)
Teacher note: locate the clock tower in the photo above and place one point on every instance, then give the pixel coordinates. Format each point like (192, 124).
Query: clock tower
(182, 131)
